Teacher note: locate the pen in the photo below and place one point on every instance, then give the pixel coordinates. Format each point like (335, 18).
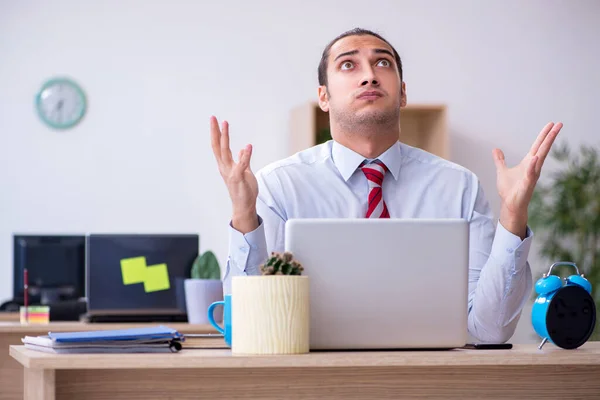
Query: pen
(25, 294)
(203, 335)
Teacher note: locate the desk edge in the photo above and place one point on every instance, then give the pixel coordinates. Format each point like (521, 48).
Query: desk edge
(18, 356)
(217, 359)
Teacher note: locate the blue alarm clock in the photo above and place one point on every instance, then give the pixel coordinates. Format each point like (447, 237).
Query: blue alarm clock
(564, 314)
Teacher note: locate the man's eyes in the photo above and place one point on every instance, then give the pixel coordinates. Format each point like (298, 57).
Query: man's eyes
(346, 65)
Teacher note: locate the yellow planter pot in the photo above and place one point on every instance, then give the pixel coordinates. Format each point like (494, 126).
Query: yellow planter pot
(270, 314)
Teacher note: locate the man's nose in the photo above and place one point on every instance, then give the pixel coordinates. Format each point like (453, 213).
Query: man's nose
(369, 78)
(373, 82)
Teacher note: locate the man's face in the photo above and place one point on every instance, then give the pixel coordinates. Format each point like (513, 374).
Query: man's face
(363, 83)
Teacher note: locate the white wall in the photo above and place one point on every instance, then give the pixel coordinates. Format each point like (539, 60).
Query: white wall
(155, 71)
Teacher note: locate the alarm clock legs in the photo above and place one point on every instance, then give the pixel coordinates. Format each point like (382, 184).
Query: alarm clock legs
(543, 343)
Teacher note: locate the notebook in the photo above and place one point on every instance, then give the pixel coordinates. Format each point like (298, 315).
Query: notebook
(158, 332)
(135, 340)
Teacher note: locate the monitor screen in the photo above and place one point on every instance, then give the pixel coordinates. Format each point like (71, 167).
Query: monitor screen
(139, 273)
(55, 266)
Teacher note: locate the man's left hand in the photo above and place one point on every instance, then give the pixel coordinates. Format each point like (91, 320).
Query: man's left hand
(516, 184)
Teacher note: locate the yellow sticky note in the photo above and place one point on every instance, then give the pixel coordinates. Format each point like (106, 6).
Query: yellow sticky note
(157, 278)
(133, 270)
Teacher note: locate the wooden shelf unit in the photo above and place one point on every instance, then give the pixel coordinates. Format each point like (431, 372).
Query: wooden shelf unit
(421, 125)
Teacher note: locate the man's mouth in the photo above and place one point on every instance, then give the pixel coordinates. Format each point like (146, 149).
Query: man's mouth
(370, 95)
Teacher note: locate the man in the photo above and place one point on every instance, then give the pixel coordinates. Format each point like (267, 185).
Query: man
(367, 172)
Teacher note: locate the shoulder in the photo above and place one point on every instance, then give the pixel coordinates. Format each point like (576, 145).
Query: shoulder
(446, 178)
(308, 158)
(423, 159)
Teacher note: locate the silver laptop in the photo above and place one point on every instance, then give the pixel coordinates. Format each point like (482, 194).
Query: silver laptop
(384, 283)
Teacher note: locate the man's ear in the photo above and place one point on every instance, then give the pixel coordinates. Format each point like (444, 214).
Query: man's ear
(323, 98)
(403, 95)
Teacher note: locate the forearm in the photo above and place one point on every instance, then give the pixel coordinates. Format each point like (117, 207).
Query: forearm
(514, 222)
(249, 250)
(503, 287)
(245, 221)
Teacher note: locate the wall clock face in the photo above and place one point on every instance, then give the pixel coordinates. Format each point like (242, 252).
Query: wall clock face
(61, 103)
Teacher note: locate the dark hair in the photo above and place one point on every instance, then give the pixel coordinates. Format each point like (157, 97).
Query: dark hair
(322, 71)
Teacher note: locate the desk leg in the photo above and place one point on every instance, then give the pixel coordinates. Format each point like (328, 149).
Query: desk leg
(39, 384)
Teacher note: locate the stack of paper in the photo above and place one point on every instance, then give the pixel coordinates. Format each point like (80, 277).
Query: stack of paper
(158, 339)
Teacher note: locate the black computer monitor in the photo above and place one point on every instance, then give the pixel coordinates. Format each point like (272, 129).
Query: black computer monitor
(139, 275)
(55, 267)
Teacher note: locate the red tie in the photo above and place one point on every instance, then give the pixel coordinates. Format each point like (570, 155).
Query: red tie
(374, 173)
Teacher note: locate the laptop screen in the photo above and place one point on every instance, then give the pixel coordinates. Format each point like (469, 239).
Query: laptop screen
(139, 273)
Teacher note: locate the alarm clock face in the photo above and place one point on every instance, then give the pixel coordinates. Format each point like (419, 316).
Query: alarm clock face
(61, 103)
(571, 317)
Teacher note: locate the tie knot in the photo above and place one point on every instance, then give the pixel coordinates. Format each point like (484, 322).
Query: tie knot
(374, 172)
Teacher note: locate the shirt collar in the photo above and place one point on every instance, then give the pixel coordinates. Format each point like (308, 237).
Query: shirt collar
(347, 160)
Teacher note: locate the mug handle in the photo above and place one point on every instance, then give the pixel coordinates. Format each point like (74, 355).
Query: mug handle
(211, 318)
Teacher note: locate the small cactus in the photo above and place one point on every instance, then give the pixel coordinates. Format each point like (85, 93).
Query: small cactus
(206, 266)
(281, 264)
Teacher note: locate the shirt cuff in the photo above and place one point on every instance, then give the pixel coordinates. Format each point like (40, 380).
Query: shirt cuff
(242, 245)
(508, 246)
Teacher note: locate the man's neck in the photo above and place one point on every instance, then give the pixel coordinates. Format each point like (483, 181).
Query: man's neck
(368, 144)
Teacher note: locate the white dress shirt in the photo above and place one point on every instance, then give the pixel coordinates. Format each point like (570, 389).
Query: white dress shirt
(325, 182)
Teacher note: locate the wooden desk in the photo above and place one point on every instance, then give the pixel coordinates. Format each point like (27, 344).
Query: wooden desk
(11, 372)
(523, 372)
(9, 317)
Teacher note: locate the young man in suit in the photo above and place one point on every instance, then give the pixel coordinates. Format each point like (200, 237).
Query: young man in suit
(365, 171)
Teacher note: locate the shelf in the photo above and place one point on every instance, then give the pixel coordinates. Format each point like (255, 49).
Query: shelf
(421, 125)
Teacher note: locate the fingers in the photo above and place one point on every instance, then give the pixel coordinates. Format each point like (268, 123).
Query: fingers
(540, 139)
(546, 145)
(215, 138)
(532, 173)
(219, 138)
(226, 156)
(244, 160)
(499, 159)
(250, 148)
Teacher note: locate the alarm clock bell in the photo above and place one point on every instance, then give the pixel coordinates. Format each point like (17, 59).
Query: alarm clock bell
(564, 314)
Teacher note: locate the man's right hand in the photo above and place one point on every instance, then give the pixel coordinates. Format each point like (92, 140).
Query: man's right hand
(239, 179)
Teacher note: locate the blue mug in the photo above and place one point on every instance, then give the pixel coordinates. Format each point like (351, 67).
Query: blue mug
(226, 329)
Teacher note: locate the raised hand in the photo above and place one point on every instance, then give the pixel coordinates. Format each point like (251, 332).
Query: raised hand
(517, 184)
(239, 179)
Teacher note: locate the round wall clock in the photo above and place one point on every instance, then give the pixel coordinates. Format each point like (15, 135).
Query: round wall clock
(60, 103)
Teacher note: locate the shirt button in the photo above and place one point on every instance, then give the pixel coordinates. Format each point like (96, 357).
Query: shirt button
(243, 249)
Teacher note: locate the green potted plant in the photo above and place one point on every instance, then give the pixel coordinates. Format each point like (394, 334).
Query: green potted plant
(270, 312)
(565, 214)
(281, 264)
(203, 288)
